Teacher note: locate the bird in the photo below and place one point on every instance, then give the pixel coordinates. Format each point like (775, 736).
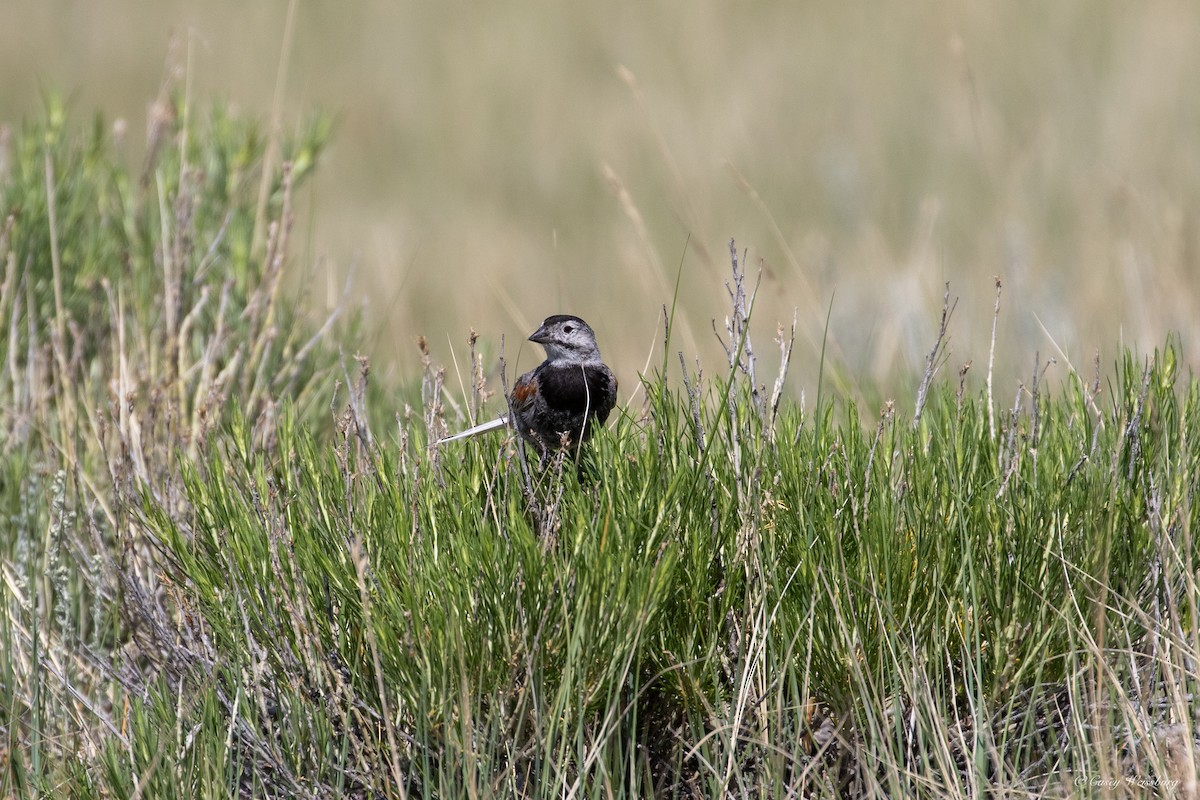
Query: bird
(559, 402)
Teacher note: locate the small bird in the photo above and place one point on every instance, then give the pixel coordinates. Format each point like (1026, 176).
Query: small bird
(559, 401)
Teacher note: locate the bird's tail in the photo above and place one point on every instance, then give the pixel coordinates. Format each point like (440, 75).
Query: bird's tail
(499, 422)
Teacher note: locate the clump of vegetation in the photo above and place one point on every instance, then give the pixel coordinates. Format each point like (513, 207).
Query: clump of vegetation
(143, 311)
(212, 587)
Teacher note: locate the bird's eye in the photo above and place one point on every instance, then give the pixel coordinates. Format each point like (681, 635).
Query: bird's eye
(568, 329)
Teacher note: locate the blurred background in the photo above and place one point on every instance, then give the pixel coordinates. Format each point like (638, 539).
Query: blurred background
(496, 163)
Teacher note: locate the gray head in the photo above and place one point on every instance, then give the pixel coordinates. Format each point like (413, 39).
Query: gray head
(568, 340)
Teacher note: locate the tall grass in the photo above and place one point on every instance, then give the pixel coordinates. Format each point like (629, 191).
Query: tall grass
(137, 319)
(483, 164)
(212, 585)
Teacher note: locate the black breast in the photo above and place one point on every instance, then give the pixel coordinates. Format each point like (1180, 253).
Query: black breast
(567, 401)
(575, 389)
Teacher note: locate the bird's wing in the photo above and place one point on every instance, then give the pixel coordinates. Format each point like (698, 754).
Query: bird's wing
(499, 422)
(525, 391)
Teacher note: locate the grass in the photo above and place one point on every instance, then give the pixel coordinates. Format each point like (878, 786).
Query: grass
(493, 169)
(233, 564)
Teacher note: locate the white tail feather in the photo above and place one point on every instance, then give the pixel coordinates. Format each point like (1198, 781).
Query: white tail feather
(499, 422)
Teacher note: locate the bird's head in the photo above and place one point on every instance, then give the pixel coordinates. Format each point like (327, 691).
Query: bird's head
(568, 340)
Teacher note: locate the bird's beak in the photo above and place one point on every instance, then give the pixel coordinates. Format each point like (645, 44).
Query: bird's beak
(540, 336)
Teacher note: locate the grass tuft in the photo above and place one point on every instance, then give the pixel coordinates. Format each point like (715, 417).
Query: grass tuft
(211, 585)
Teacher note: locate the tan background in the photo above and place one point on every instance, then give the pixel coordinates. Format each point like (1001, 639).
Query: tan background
(494, 164)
